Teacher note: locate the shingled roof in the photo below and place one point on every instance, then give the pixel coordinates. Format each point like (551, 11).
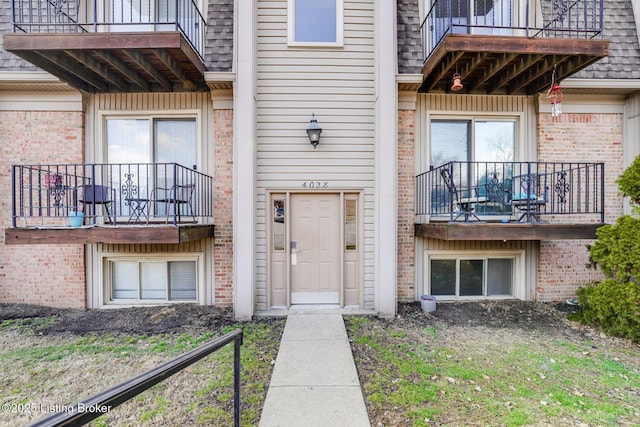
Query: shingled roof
(620, 29)
(219, 38)
(8, 61)
(409, 39)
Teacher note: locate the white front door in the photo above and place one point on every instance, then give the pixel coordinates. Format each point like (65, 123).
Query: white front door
(315, 248)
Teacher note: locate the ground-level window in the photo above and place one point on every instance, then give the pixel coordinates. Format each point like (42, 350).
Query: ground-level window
(152, 280)
(471, 277)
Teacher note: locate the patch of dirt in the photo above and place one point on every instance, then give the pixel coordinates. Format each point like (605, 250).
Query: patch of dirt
(177, 318)
(491, 314)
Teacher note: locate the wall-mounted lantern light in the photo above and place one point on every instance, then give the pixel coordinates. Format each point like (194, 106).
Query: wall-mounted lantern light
(314, 131)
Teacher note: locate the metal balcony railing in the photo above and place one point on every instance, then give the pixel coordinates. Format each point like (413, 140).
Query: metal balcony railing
(93, 16)
(526, 18)
(512, 191)
(109, 194)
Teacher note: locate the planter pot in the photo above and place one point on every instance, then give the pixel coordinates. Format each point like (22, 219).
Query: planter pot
(428, 303)
(76, 219)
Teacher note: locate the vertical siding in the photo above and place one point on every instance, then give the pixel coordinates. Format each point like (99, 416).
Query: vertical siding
(335, 83)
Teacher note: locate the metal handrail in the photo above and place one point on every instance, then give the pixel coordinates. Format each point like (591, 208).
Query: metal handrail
(89, 409)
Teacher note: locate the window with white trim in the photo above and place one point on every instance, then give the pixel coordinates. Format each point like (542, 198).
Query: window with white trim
(467, 277)
(152, 280)
(316, 22)
(477, 139)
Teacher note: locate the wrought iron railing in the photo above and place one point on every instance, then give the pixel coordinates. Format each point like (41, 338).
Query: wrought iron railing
(89, 409)
(115, 194)
(528, 18)
(92, 16)
(511, 191)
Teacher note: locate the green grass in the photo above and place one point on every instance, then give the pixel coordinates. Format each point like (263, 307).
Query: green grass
(489, 383)
(206, 386)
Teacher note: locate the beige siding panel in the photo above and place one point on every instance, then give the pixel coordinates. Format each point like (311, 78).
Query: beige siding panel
(338, 85)
(153, 101)
(195, 246)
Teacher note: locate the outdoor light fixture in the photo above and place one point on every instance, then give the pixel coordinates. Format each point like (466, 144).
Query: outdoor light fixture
(456, 82)
(554, 95)
(314, 131)
(555, 98)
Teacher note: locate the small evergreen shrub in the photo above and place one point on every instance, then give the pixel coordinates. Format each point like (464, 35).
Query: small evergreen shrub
(617, 250)
(614, 303)
(629, 181)
(613, 306)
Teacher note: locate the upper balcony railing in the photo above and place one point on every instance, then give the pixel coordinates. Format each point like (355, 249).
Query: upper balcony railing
(109, 194)
(525, 192)
(92, 16)
(525, 18)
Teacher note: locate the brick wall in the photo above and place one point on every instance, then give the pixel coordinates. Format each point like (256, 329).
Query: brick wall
(406, 207)
(52, 275)
(223, 179)
(578, 137)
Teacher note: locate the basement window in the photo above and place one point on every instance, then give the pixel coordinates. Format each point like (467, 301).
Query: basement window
(152, 280)
(453, 278)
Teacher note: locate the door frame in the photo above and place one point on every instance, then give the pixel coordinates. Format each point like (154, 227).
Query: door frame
(269, 215)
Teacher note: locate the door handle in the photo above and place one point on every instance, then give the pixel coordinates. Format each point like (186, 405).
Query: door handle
(294, 247)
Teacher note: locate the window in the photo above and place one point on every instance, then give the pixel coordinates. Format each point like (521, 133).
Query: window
(152, 280)
(471, 277)
(480, 140)
(315, 22)
(350, 225)
(151, 140)
(278, 225)
(145, 140)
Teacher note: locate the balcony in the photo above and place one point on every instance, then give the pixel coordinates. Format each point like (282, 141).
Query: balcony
(509, 46)
(109, 203)
(510, 201)
(109, 46)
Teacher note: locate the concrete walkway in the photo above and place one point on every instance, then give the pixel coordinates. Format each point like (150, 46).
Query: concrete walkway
(314, 381)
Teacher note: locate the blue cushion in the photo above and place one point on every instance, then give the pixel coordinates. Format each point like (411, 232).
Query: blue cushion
(524, 196)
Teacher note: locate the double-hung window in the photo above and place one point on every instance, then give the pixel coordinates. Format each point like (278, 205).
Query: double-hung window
(316, 22)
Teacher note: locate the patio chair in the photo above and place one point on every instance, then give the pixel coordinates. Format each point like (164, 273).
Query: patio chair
(176, 196)
(528, 201)
(465, 205)
(94, 195)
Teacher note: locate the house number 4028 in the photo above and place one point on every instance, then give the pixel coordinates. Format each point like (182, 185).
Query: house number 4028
(315, 184)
